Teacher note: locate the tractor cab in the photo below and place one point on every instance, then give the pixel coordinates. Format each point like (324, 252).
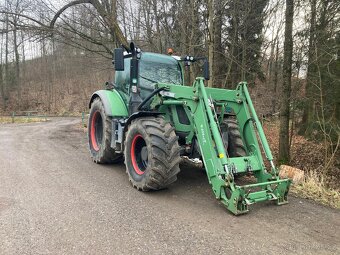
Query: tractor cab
(138, 73)
(153, 68)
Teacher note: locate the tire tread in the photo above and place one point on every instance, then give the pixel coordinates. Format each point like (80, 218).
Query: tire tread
(165, 152)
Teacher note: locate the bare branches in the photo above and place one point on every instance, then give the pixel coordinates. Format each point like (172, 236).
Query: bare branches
(30, 22)
(64, 8)
(42, 25)
(109, 19)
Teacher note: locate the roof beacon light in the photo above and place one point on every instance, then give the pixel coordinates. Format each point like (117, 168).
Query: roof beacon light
(170, 51)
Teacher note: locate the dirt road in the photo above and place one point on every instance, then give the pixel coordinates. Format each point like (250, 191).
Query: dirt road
(55, 200)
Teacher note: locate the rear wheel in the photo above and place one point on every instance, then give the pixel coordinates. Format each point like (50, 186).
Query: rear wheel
(99, 135)
(232, 138)
(152, 153)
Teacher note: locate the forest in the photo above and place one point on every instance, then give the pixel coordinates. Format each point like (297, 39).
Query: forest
(56, 53)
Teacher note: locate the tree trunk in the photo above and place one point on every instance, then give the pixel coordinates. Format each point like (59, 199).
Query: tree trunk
(1, 74)
(287, 75)
(308, 109)
(6, 78)
(232, 65)
(211, 39)
(158, 30)
(218, 61)
(276, 76)
(17, 61)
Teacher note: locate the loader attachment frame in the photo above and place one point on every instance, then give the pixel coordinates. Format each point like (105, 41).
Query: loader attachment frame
(202, 103)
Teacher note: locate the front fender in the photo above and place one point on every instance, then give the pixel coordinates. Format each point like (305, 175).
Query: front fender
(114, 104)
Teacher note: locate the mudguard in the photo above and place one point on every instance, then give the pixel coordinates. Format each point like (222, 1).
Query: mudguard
(113, 103)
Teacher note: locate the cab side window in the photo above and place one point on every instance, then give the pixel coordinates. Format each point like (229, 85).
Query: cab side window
(122, 78)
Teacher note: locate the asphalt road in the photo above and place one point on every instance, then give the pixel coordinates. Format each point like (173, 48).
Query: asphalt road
(55, 200)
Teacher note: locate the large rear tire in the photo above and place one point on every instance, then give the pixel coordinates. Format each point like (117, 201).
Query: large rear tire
(152, 153)
(99, 135)
(232, 138)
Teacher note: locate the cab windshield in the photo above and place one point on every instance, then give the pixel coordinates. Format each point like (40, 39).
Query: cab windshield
(151, 72)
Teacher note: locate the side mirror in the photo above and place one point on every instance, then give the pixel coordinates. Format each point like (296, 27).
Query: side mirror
(132, 48)
(206, 73)
(119, 59)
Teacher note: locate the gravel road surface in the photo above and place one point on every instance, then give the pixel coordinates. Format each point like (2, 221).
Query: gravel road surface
(55, 200)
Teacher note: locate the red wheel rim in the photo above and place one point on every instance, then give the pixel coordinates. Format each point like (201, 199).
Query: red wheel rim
(94, 142)
(139, 164)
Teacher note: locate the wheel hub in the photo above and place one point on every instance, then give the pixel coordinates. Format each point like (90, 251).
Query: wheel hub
(144, 153)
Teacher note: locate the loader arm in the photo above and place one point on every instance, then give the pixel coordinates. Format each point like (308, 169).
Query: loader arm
(219, 166)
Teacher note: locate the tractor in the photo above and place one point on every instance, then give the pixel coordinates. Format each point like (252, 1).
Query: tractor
(150, 119)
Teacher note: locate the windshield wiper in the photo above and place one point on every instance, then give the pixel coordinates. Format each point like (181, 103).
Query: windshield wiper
(172, 81)
(148, 79)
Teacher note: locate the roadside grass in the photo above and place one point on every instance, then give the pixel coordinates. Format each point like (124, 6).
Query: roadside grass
(314, 187)
(17, 119)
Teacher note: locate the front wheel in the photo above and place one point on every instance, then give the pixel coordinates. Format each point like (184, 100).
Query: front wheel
(99, 135)
(152, 153)
(231, 137)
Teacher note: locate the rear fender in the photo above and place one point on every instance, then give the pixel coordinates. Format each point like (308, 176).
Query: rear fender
(113, 103)
(137, 115)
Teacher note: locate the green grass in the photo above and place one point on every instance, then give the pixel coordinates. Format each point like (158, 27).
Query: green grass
(5, 120)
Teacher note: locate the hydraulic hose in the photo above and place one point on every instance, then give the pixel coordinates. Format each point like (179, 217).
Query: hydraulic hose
(149, 97)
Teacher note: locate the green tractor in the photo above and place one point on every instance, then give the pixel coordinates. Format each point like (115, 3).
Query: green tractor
(150, 118)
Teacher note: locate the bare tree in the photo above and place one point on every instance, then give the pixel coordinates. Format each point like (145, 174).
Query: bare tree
(106, 10)
(286, 86)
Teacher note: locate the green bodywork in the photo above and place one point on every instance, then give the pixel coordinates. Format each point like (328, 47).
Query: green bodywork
(205, 109)
(114, 102)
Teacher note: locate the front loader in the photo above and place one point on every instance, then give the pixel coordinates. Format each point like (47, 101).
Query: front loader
(150, 118)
